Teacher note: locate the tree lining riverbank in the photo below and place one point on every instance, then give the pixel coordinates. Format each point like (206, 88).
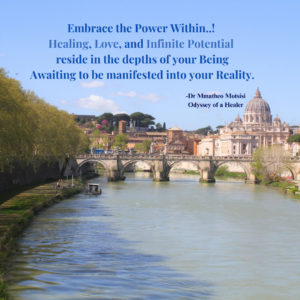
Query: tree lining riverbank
(17, 208)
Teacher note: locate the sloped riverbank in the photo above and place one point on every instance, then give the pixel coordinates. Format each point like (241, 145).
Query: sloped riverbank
(18, 207)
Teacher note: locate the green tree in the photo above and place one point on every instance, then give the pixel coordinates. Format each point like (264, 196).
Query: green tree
(32, 130)
(294, 138)
(146, 122)
(137, 117)
(76, 119)
(270, 162)
(84, 144)
(164, 127)
(121, 141)
(106, 116)
(89, 125)
(158, 127)
(111, 127)
(146, 116)
(138, 148)
(18, 122)
(146, 145)
(222, 171)
(82, 121)
(120, 117)
(204, 130)
(220, 126)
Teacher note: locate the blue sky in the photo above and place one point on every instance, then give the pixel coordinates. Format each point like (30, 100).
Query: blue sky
(266, 44)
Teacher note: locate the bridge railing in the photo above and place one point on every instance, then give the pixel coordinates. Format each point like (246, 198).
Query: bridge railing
(170, 157)
(173, 157)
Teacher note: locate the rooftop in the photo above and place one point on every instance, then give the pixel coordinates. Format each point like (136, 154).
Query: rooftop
(175, 128)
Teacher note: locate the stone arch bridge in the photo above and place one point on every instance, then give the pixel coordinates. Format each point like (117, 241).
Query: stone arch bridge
(161, 165)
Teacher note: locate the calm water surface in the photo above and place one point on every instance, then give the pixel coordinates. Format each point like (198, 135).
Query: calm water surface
(174, 240)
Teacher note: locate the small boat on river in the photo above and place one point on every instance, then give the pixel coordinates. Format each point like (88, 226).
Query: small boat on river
(92, 189)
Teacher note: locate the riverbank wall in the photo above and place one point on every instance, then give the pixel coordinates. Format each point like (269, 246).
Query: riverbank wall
(22, 175)
(16, 215)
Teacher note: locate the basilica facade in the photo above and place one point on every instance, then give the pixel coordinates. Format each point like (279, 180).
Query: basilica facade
(242, 136)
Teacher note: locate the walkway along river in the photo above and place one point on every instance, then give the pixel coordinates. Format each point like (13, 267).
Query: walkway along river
(173, 240)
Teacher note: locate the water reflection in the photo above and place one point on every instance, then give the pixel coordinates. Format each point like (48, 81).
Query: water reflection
(173, 240)
(68, 253)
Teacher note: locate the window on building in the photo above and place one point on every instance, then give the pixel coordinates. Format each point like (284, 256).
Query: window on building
(233, 147)
(234, 136)
(270, 138)
(182, 147)
(176, 141)
(244, 147)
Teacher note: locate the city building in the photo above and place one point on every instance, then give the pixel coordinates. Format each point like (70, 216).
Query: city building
(242, 137)
(122, 126)
(177, 141)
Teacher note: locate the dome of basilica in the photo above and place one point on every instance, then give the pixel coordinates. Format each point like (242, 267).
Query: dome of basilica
(277, 119)
(238, 119)
(257, 104)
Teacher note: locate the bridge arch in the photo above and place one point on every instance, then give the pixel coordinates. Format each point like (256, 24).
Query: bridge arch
(291, 170)
(288, 168)
(173, 164)
(89, 160)
(130, 162)
(242, 165)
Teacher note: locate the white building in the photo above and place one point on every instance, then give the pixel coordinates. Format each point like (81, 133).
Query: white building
(242, 137)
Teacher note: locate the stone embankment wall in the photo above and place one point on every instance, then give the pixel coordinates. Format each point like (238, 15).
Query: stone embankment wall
(22, 175)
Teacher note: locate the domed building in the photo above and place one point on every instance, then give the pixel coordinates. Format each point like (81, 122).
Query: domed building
(242, 137)
(257, 111)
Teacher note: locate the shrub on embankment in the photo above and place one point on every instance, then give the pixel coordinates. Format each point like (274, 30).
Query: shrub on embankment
(287, 186)
(26, 210)
(223, 172)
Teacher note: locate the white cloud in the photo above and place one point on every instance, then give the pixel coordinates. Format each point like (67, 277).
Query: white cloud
(151, 96)
(64, 102)
(130, 94)
(93, 84)
(98, 103)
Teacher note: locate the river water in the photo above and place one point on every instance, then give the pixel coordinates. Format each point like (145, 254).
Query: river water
(176, 240)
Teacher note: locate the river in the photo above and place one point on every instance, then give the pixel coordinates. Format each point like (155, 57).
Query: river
(173, 240)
